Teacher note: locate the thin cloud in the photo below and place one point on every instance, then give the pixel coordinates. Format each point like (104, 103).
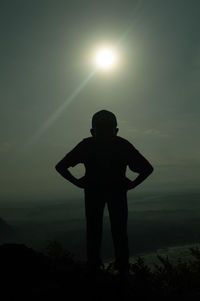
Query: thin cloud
(149, 132)
(155, 132)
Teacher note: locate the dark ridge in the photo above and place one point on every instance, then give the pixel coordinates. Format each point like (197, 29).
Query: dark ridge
(5, 229)
(55, 275)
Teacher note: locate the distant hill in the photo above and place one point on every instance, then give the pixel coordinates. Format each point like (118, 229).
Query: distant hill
(5, 229)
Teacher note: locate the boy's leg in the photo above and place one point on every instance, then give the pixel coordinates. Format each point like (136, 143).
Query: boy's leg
(94, 208)
(118, 212)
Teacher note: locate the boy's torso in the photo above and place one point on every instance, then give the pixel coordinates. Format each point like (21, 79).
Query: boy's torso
(105, 160)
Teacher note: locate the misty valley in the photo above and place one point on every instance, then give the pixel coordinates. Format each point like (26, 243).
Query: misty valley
(156, 221)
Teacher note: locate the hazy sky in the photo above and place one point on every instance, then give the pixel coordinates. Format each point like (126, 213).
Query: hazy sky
(46, 49)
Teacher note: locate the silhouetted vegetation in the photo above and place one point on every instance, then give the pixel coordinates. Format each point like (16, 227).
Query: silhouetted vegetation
(32, 275)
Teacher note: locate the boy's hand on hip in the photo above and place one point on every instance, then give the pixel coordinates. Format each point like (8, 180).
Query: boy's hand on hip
(129, 184)
(81, 183)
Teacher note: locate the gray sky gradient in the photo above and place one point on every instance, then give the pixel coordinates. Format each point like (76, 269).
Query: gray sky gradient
(46, 51)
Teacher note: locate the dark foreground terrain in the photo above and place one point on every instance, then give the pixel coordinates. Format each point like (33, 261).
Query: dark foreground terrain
(30, 275)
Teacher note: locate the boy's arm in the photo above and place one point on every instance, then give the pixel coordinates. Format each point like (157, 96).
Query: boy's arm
(65, 173)
(140, 165)
(70, 160)
(140, 178)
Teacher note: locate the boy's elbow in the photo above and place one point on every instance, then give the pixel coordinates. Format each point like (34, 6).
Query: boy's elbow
(150, 169)
(147, 170)
(61, 168)
(58, 168)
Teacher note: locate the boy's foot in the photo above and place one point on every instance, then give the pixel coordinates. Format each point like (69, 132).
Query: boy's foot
(115, 270)
(92, 270)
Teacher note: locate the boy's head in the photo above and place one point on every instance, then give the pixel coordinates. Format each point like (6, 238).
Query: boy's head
(104, 124)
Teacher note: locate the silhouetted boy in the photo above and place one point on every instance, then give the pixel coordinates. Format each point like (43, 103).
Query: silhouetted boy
(106, 156)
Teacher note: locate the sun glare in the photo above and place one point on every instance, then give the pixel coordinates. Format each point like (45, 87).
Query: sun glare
(105, 58)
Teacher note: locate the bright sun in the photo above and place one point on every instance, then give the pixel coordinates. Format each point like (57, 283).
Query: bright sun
(105, 58)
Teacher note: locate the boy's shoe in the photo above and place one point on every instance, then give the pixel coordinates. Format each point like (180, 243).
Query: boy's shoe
(115, 270)
(92, 270)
